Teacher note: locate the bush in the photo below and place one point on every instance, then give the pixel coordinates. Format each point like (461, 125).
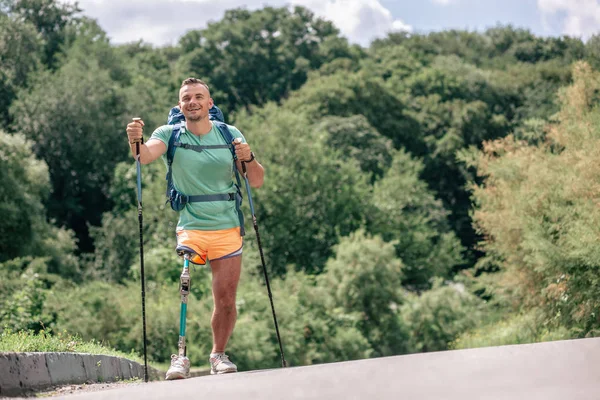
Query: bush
(438, 316)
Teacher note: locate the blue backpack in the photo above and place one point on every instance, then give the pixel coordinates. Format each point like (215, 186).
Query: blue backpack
(177, 199)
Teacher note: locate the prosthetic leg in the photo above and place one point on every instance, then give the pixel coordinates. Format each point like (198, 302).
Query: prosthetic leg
(184, 289)
(180, 364)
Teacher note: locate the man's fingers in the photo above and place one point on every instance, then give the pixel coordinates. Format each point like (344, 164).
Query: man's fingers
(134, 130)
(138, 120)
(242, 150)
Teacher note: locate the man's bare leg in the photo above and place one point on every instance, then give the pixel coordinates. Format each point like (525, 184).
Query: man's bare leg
(225, 278)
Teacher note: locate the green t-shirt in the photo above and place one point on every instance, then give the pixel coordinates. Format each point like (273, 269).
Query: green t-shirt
(207, 172)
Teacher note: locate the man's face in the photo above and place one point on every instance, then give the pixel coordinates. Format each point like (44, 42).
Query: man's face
(195, 101)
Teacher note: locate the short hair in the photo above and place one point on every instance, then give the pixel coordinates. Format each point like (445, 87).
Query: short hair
(194, 81)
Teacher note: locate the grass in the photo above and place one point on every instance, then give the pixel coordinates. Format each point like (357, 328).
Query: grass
(514, 329)
(47, 341)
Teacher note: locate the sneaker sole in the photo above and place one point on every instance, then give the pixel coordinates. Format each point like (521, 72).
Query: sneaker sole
(223, 372)
(176, 376)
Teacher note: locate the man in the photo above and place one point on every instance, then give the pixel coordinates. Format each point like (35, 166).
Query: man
(210, 229)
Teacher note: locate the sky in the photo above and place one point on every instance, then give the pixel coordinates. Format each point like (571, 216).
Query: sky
(163, 22)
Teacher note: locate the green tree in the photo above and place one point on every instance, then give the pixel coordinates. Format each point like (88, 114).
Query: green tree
(408, 214)
(76, 130)
(252, 57)
(24, 230)
(314, 329)
(344, 95)
(538, 212)
(438, 316)
(23, 294)
(49, 17)
(365, 278)
(21, 48)
(116, 241)
(311, 197)
(356, 139)
(25, 184)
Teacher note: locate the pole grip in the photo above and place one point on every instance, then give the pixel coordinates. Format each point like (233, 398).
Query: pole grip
(140, 140)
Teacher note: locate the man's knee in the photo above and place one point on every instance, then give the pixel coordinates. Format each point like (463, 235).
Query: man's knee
(225, 304)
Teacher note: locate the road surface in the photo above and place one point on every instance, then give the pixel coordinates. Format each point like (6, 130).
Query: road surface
(565, 370)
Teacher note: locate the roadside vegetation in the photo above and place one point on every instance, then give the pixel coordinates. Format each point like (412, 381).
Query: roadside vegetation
(425, 193)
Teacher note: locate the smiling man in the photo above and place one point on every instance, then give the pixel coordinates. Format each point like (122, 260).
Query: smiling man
(207, 230)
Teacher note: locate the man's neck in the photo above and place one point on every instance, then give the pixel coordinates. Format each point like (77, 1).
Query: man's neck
(200, 127)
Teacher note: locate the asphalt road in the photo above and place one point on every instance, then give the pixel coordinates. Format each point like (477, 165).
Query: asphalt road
(565, 370)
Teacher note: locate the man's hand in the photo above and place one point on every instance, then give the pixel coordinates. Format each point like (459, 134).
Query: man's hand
(135, 130)
(242, 150)
(254, 173)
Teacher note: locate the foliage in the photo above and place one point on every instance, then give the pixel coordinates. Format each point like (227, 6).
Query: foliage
(116, 241)
(407, 212)
(20, 47)
(517, 329)
(82, 110)
(49, 17)
(538, 212)
(438, 316)
(313, 328)
(365, 278)
(377, 162)
(300, 224)
(356, 139)
(22, 295)
(24, 185)
(318, 336)
(251, 58)
(344, 95)
(24, 231)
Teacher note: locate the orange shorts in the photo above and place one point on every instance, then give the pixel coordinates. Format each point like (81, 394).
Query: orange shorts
(211, 245)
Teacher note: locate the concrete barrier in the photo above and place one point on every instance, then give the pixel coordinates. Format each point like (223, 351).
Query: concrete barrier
(21, 373)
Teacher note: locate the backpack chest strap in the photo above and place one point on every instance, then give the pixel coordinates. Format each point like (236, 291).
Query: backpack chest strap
(200, 148)
(208, 197)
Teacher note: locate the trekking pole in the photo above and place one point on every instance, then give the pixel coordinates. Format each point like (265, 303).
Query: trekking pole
(141, 221)
(262, 259)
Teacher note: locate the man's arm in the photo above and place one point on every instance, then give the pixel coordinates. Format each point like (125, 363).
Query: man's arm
(255, 173)
(149, 151)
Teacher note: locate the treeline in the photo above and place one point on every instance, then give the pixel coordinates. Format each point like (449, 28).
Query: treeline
(428, 192)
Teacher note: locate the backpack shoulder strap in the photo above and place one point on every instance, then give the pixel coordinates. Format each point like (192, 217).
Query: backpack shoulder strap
(226, 133)
(175, 134)
(227, 136)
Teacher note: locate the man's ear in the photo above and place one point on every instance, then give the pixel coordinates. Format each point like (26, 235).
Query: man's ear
(211, 103)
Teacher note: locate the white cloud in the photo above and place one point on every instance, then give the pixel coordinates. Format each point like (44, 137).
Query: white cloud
(443, 2)
(579, 18)
(163, 22)
(360, 21)
(155, 21)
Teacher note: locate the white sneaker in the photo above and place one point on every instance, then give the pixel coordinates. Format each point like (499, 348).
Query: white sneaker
(179, 369)
(220, 364)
